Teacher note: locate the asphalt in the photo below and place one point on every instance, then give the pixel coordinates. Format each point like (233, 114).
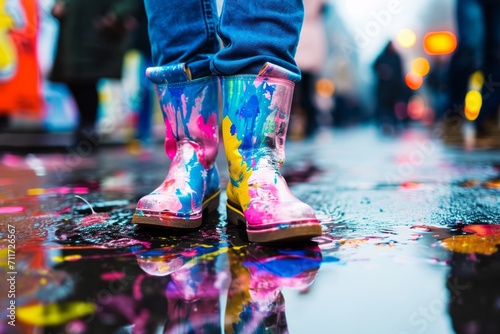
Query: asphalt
(411, 230)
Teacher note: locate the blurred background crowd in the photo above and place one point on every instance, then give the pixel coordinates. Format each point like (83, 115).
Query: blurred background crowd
(78, 66)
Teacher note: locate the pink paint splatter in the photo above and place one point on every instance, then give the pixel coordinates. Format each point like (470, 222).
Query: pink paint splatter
(76, 327)
(484, 230)
(112, 276)
(94, 219)
(11, 209)
(80, 190)
(137, 287)
(124, 242)
(60, 190)
(5, 182)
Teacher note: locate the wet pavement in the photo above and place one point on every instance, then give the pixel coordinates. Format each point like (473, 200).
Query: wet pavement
(411, 230)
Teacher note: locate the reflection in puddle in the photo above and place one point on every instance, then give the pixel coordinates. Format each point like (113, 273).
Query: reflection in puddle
(258, 275)
(170, 289)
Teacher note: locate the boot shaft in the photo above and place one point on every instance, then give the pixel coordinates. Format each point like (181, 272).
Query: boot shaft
(256, 112)
(190, 110)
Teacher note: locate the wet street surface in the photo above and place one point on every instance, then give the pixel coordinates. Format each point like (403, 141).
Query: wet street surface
(411, 231)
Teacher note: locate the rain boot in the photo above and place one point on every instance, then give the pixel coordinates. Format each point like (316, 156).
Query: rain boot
(254, 125)
(190, 109)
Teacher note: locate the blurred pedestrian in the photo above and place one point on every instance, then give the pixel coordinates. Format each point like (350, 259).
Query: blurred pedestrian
(311, 58)
(437, 85)
(478, 25)
(91, 46)
(389, 89)
(141, 43)
(258, 72)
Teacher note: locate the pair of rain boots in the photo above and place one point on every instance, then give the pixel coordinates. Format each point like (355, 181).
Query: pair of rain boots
(256, 110)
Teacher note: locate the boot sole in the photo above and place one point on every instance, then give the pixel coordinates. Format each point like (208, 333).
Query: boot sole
(300, 231)
(209, 205)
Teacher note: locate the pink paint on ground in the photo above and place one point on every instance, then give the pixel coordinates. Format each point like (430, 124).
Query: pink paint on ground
(11, 209)
(124, 242)
(137, 287)
(484, 230)
(61, 190)
(112, 276)
(5, 182)
(93, 219)
(80, 190)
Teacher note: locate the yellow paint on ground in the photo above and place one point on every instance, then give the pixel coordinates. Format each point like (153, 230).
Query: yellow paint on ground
(35, 191)
(478, 244)
(53, 314)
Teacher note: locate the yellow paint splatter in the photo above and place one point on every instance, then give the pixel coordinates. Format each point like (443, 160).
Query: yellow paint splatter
(208, 256)
(72, 257)
(479, 244)
(69, 258)
(492, 184)
(240, 170)
(35, 191)
(53, 314)
(3, 255)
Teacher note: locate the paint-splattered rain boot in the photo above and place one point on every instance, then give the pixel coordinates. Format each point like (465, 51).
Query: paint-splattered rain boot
(190, 109)
(254, 125)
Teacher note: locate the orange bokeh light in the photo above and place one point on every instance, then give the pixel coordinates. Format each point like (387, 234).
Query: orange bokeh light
(325, 87)
(421, 66)
(473, 104)
(440, 43)
(414, 81)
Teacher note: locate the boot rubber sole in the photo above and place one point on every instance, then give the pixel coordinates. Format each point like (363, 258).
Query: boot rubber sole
(293, 231)
(155, 218)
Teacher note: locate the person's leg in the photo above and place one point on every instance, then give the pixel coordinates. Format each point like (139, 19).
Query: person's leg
(144, 126)
(465, 60)
(308, 104)
(183, 31)
(491, 90)
(255, 32)
(487, 123)
(86, 98)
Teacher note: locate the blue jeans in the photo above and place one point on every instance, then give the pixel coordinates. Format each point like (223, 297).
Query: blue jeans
(252, 32)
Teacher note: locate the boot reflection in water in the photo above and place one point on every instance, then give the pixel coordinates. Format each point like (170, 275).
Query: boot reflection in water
(255, 74)
(255, 302)
(192, 293)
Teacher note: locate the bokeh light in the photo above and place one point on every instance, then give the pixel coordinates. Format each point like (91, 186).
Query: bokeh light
(325, 87)
(421, 66)
(416, 108)
(429, 116)
(473, 103)
(476, 80)
(414, 81)
(440, 43)
(406, 38)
